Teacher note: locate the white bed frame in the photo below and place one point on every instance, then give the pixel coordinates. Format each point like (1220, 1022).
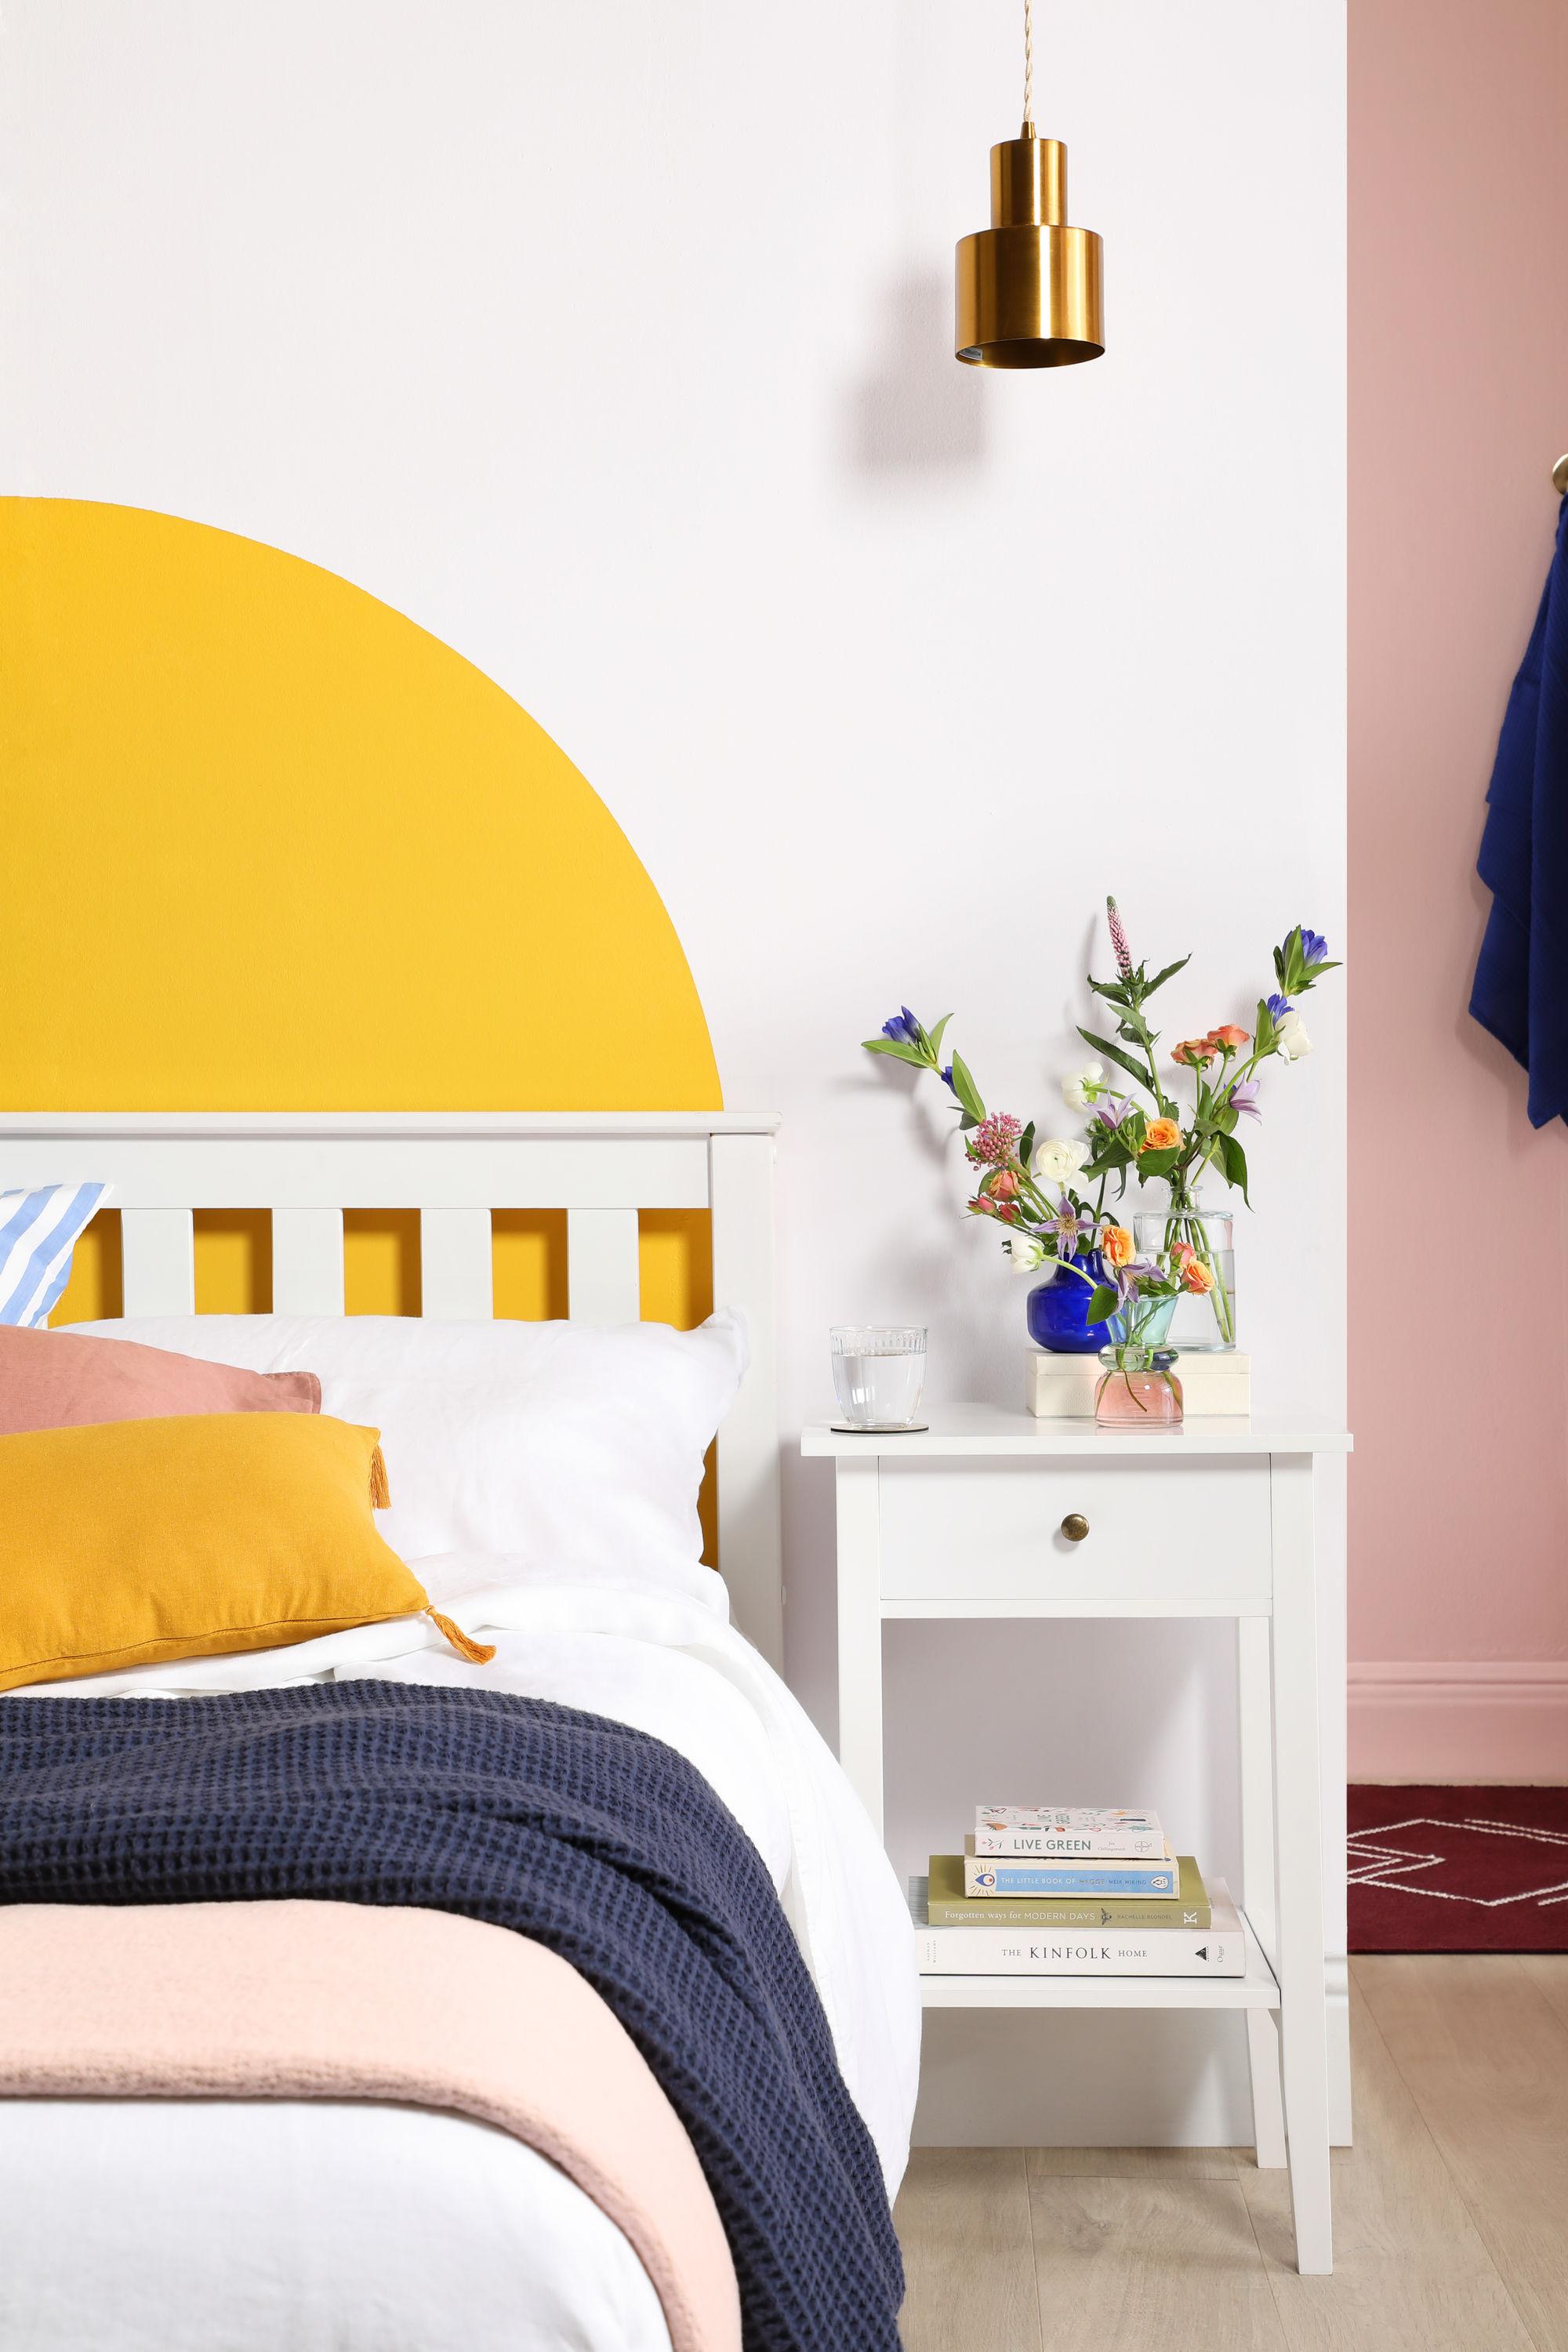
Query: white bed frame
(455, 1168)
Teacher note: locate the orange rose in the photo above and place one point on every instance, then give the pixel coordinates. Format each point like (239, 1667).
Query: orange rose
(1197, 1050)
(1160, 1135)
(1229, 1035)
(1116, 1246)
(1197, 1276)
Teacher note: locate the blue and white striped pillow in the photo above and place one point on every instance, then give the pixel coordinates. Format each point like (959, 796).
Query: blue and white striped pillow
(39, 1231)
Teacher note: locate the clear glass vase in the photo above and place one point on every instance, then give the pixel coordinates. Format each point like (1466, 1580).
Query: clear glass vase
(1204, 1322)
(1138, 1389)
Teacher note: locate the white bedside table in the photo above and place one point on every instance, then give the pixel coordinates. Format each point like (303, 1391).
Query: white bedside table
(1233, 1503)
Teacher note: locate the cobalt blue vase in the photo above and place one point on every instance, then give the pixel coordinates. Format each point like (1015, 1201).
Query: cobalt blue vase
(1057, 1310)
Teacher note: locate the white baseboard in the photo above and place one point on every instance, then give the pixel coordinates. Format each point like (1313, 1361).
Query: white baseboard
(1458, 1720)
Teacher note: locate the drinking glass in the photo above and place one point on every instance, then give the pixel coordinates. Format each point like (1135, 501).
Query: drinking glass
(879, 1373)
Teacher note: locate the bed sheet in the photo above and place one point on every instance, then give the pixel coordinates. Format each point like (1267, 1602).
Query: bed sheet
(126, 2224)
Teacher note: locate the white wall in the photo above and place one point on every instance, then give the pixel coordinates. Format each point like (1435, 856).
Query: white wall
(611, 343)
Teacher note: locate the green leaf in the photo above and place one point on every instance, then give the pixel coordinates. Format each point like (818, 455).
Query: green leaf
(899, 1050)
(1158, 1163)
(1103, 1304)
(1123, 1060)
(1112, 989)
(1027, 1143)
(968, 1093)
(1169, 973)
(1233, 1159)
(934, 1037)
(1264, 1031)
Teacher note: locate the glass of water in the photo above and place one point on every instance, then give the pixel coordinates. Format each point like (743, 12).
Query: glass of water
(879, 1374)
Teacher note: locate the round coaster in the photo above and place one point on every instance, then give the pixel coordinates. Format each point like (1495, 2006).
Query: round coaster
(878, 1428)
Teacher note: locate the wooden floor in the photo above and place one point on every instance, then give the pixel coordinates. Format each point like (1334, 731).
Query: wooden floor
(1450, 2212)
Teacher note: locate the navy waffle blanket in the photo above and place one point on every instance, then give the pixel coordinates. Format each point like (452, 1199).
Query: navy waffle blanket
(593, 1838)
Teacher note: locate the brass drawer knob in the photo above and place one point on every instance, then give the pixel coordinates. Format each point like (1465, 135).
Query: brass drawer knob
(1074, 1527)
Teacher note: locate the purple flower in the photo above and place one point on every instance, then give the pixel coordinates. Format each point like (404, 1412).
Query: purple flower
(1314, 947)
(1114, 1111)
(1118, 939)
(903, 1028)
(1069, 1227)
(946, 1076)
(1244, 1098)
(1279, 1006)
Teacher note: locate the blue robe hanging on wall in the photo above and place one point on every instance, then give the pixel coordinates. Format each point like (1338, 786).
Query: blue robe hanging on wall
(1521, 992)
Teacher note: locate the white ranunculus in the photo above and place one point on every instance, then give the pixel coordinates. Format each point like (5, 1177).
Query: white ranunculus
(1059, 1160)
(1025, 1253)
(1075, 1090)
(1291, 1034)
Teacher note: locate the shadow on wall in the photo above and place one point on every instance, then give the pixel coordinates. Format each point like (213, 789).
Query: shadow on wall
(918, 412)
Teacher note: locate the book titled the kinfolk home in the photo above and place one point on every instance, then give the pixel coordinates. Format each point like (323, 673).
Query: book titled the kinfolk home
(951, 1907)
(1217, 1950)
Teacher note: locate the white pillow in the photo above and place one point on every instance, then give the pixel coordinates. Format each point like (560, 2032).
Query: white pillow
(575, 1445)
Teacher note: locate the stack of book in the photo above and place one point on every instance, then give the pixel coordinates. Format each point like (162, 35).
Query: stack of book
(1052, 1890)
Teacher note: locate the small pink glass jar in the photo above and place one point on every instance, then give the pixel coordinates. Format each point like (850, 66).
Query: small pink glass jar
(1137, 1390)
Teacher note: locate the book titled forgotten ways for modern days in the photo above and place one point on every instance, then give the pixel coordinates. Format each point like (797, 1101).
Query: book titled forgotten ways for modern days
(1217, 1950)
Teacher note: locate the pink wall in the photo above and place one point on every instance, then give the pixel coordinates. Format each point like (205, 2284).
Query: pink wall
(1459, 406)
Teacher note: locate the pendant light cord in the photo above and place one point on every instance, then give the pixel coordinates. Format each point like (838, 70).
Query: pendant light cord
(1029, 68)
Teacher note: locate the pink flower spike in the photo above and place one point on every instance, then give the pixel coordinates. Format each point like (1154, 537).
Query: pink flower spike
(994, 1142)
(1119, 940)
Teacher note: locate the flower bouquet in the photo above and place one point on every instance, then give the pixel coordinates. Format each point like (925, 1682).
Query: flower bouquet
(1051, 1194)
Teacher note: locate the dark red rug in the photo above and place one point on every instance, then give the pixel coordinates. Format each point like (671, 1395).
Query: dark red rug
(1459, 1870)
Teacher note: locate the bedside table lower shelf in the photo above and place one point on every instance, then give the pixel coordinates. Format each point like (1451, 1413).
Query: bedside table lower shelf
(1259, 1989)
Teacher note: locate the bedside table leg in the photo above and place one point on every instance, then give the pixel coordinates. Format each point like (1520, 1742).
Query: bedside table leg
(1268, 2103)
(1299, 1845)
(1254, 1676)
(861, 1634)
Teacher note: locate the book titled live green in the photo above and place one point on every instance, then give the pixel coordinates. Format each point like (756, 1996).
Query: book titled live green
(949, 1906)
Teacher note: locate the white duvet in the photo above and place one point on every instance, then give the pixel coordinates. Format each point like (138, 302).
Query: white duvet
(188, 2226)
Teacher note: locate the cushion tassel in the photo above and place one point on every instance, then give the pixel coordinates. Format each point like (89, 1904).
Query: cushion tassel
(477, 1654)
(380, 1492)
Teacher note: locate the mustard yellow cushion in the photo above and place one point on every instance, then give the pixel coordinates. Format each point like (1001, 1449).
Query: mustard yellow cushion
(125, 1542)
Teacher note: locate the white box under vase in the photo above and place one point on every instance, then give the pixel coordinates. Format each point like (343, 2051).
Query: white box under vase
(1061, 1388)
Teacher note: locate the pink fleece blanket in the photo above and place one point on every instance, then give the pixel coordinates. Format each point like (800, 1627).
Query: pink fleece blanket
(338, 2000)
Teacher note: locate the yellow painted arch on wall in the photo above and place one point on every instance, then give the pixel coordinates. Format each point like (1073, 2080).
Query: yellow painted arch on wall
(273, 846)
(268, 844)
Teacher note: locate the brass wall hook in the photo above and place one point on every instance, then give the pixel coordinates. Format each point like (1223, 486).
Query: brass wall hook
(1560, 477)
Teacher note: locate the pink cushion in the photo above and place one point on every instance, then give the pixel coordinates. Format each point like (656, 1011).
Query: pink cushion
(61, 1380)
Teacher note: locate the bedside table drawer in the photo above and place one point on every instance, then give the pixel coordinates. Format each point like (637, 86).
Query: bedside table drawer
(1152, 1537)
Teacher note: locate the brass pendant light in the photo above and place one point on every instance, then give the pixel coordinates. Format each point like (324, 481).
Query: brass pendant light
(1028, 286)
